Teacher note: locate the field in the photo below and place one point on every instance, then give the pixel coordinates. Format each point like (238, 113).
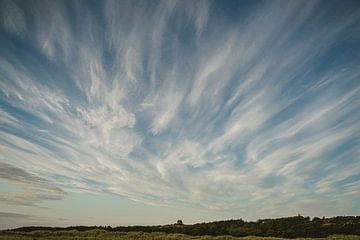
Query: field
(104, 235)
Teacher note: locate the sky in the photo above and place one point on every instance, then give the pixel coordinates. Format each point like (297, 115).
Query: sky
(146, 112)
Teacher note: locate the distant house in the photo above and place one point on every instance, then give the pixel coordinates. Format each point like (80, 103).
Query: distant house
(179, 222)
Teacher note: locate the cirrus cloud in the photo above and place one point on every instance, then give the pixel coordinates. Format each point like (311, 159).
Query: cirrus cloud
(171, 103)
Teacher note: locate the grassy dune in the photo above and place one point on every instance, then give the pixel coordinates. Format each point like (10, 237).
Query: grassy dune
(104, 235)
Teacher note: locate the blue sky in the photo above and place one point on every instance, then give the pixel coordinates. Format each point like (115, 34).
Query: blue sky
(145, 112)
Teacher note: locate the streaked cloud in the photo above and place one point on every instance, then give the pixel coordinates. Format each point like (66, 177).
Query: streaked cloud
(251, 108)
(33, 189)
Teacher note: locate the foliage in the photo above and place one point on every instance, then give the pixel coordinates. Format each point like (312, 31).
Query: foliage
(290, 227)
(98, 234)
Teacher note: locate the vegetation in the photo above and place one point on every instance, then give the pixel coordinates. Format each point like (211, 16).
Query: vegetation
(106, 235)
(290, 227)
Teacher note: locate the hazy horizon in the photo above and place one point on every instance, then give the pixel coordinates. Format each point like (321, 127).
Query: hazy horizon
(146, 112)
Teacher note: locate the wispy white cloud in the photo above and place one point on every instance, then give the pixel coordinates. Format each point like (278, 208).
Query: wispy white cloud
(33, 188)
(172, 103)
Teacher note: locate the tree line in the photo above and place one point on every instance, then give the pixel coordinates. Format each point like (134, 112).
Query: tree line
(287, 227)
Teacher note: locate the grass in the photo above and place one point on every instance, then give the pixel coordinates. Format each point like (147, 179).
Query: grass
(104, 235)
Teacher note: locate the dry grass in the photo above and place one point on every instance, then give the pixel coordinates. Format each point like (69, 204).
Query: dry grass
(103, 235)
